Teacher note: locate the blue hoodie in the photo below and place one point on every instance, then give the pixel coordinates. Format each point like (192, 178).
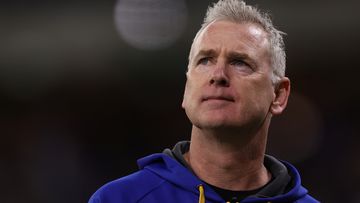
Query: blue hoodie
(162, 178)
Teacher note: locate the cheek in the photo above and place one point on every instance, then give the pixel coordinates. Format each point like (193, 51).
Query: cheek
(264, 95)
(188, 92)
(186, 95)
(192, 91)
(191, 84)
(258, 92)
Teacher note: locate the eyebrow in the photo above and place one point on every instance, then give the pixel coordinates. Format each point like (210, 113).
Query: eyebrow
(236, 55)
(212, 52)
(207, 52)
(243, 56)
(232, 55)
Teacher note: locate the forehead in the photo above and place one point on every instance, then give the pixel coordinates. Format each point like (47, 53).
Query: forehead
(239, 37)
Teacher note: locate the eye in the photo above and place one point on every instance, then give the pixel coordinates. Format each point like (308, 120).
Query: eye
(238, 63)
(204, 61)
(241, 65)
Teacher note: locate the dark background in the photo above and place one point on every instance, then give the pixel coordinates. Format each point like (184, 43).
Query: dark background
(79, 105)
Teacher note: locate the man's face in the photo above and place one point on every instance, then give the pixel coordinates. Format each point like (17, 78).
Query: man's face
(229, 77)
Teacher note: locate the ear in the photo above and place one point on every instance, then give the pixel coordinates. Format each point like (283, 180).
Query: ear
(282, 92)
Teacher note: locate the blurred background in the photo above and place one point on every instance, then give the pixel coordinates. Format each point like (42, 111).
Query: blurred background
(88, 87)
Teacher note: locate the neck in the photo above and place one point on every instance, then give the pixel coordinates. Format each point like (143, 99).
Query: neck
(228, 160)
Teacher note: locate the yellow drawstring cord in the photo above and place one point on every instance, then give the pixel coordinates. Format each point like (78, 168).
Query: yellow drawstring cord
(202, 194)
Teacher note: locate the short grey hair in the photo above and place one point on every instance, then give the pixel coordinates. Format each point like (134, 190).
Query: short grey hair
(237, 11)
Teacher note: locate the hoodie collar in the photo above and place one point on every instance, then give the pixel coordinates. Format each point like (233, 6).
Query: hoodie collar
(171, 165)
(172, 171)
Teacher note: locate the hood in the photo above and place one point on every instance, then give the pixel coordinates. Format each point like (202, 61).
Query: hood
(294, 192)
(172, 171)
(169, 169)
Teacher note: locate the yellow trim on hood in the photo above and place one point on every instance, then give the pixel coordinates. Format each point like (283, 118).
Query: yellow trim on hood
(201, 194)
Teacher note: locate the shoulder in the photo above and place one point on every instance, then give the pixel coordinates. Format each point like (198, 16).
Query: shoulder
(127, 189)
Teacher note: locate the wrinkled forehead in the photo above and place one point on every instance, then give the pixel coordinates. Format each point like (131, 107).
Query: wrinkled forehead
(253, 33)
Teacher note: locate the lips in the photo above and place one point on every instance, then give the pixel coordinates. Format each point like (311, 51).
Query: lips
(218, 97)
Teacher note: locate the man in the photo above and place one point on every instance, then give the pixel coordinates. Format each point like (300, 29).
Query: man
(235, 83)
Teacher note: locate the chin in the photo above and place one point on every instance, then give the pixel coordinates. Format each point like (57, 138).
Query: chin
(214, 123)
(225, 124)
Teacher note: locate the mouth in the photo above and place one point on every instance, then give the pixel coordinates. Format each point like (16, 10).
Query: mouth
(218, 98)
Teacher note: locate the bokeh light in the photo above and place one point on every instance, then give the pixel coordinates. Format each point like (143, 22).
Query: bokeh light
(150, 24)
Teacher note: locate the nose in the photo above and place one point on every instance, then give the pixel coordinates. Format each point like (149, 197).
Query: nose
(219, 77)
